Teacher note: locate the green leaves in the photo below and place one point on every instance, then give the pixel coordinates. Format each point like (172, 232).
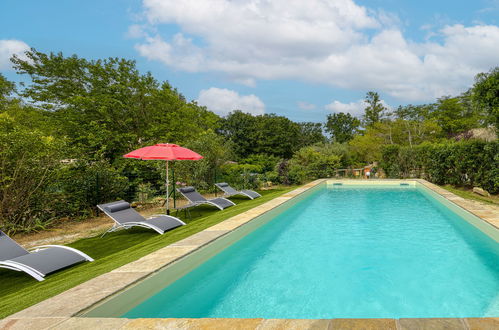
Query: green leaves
(485, 95)
(375, 110)
(469, 163)
(342, 126)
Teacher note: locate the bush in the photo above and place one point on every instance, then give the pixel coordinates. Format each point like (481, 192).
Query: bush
(28, 160)
(242, 176)
(80, 186)
(313, 162)
(468, 163)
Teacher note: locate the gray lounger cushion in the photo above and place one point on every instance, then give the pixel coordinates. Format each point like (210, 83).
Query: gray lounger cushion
(44, 261)
(49, 260)
(251, 193)
(222, 202)
(9, 249)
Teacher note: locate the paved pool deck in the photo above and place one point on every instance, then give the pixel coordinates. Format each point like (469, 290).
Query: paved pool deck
(62, 311)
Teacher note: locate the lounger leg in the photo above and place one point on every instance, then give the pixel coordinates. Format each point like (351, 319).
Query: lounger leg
(110, 230)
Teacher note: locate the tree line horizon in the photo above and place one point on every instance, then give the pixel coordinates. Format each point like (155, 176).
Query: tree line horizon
(65, 130)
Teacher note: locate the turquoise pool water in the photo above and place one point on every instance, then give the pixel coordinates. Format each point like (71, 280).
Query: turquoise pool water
(346, 252)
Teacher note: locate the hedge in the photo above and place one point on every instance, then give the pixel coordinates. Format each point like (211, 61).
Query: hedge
(468, 163)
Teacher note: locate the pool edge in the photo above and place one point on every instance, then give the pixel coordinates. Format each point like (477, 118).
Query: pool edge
(59, 311)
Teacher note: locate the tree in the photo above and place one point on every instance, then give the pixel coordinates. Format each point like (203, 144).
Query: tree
(107, 107)
(277, 135)
(310, 133)
(374, 111)
(415, 124)
(6, 89)
(485, 94)
(264, 134)
(240, 128)
(342, 126)
(454, 115)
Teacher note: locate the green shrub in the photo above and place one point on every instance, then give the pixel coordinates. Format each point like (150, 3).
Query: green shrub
(242, 176)
(468, 163)
(313, 162)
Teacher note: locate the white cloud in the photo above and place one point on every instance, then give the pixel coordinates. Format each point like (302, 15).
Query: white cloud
(329, 42)
(306, 106)
(222, 101)
(354, 108)
(9, 48)
(136, 31)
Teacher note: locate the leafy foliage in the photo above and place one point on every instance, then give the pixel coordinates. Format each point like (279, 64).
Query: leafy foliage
(468, 163)
(268, 134)
(486, 95)
(342, 126)
(375, 110)
(313, 162)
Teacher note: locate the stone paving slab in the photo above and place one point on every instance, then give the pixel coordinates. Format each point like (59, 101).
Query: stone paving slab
(432, 324)
(291, 324)
(365, 324)
(82, 323)
(156, 260)
(194, 324)
(479, 323)
(72, 301)
(201, 238)
(487, 213)
(31, 323)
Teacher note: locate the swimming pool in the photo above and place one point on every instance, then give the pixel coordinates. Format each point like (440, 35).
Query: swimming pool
(347, 251)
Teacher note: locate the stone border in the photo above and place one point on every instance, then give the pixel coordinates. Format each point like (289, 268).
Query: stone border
(58, 312)
(482, 211)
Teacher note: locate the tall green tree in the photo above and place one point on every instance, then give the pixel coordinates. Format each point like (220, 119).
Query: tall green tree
(107, 107)
(485, 93)
(277, 135)
(240, 128)
(310, 133)
(374, 111)
(455, 115)
(264, 134)
(342, 126)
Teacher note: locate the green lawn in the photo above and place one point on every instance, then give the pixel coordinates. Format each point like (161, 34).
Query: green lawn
(18, 290)
(468, 194)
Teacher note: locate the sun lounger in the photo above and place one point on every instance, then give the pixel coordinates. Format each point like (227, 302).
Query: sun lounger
(125, 217)
(196, 199)
(38, 261)
(229, 191)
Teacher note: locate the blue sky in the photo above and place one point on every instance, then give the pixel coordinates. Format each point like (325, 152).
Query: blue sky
(302, 59)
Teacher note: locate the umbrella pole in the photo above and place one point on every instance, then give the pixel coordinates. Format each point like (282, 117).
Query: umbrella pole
(167, 205)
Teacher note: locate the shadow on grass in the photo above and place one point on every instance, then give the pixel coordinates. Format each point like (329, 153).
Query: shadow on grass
(19, 290)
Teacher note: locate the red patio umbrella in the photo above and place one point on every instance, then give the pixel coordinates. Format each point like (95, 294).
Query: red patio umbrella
(164, 151)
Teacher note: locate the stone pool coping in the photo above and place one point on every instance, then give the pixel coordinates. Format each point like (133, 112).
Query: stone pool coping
(59, 311)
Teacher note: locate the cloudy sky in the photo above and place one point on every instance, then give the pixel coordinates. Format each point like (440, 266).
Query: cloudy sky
(299, 58)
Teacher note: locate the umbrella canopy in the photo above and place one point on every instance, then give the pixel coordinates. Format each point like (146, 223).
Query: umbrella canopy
(164, 151)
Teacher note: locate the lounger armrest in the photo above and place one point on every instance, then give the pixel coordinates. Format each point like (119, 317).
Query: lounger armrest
(43, 247)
